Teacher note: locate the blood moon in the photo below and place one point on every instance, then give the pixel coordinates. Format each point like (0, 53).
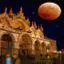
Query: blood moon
(49, 11)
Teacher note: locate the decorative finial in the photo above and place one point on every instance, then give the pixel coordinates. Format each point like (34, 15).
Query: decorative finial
(20, 13)
(35, 24)
(11, 12)
(28, 21)
(21, 9)
(5, 10)
(32, 23)
(5, 13)
(41, 27)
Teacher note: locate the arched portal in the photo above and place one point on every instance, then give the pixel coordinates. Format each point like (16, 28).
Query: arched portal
(26, 44)
(6, 43)
(37, 47)
(43, 49)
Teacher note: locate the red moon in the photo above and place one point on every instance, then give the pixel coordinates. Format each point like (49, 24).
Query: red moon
(49, 11)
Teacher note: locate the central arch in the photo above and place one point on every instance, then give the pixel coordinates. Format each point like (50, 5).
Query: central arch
(26, 44)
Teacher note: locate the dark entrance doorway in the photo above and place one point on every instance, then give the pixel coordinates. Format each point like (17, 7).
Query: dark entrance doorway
(6, 44)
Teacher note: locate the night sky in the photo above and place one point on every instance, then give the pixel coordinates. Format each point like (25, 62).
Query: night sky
(53, 29)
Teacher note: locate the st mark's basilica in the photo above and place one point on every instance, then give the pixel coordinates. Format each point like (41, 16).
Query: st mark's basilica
(19, 36)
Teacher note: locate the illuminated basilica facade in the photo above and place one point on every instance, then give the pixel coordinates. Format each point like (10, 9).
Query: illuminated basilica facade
(17, 33)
